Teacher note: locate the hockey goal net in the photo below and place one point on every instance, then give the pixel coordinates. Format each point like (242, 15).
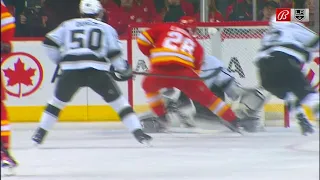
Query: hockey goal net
(235, 44)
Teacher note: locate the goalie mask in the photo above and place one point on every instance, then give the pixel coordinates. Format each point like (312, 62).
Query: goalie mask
(188, 23)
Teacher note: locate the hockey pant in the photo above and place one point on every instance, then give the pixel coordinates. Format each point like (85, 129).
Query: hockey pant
(195, 89)
(5, 128)
(281, 74)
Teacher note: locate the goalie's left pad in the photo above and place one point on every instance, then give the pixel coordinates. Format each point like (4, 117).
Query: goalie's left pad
(180, 113)
(150, 123)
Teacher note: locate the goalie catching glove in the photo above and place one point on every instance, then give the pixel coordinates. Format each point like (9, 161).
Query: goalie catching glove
(121, 70)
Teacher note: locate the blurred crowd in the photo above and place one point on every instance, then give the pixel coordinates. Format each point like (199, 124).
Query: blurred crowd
(35, 18)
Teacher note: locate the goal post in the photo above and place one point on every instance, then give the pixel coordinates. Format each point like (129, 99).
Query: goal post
(234, 43)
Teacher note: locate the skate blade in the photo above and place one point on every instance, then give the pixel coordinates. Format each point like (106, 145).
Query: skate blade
(229, 126)
(147, 143)
(36, 145)
(8, 171)
(308, 133)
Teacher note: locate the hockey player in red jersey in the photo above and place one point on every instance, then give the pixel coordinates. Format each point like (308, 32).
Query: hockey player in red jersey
(173, 51)
(7, 33)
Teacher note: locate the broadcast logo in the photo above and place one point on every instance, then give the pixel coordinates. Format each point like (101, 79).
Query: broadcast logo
(295, 15)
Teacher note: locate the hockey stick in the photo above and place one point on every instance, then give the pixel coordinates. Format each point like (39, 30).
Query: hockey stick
(213, 74)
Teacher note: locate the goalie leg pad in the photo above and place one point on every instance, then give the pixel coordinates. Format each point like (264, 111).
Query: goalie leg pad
(233, 89)
(183, 109)
(150, 123)
(251, 124)
(253, 99)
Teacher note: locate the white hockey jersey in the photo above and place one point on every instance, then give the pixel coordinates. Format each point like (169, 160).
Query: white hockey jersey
(291, 38)
(83, 43)
(209, 64)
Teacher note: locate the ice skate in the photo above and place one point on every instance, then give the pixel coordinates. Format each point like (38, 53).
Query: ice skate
(142, 137)
(305, 126)
(39, 136)
(8, 163)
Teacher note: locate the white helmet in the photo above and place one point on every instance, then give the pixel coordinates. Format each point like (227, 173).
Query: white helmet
(90, 7)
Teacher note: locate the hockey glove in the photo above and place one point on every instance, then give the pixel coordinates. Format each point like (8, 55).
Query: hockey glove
(5, 47)
(122, 74)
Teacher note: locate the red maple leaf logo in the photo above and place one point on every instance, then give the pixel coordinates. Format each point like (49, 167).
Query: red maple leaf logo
(19, 75)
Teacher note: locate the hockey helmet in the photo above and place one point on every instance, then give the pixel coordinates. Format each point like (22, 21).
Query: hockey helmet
(91, 7)
(188, 23)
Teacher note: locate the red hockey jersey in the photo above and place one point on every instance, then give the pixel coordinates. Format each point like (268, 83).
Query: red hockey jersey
(7, 33)
(170, 44)
(7, 24)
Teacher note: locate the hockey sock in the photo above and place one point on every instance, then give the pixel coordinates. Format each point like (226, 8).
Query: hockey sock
(126, 113)
(156, 103)
(51, 113)
(223, 110)
(300, 110)
(312, 101)
(5, 127)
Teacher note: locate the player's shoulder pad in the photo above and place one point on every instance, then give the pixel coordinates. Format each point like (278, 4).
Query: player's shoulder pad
(278, 24)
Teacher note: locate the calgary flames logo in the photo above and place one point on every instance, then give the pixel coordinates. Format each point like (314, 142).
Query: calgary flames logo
(23, 74)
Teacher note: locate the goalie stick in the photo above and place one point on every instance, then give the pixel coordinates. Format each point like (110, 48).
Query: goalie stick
(213, 74)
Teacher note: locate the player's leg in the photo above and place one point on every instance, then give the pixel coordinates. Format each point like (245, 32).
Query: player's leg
(7, 161)
(198, 91)
(278, 73)
(304, 93)
(151, 86)
(103, 84)
(68, 84)
(5, 127)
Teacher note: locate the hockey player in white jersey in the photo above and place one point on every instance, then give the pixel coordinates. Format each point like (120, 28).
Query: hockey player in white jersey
(285, 48)
(222, 83)
(86, 49)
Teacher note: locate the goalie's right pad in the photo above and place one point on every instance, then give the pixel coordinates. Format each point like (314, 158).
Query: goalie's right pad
(251, 103)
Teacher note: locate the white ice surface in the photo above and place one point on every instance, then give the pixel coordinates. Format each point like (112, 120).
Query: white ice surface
(105, 151)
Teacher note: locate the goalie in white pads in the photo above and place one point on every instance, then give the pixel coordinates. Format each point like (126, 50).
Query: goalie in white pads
(222, 83)
(286, 47)
(86, 49)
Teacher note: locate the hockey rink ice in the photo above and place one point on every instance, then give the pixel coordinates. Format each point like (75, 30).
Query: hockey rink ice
(106, 151)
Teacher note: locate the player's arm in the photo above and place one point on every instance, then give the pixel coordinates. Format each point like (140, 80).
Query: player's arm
(114, 51)
(306, 36)
(146, 40)
(52, 43)
(7, 31)
(199, 56)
